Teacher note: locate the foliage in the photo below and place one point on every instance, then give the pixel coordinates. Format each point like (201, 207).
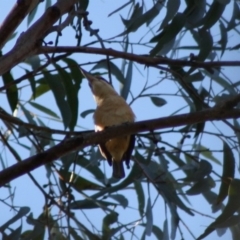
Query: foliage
(180, 55)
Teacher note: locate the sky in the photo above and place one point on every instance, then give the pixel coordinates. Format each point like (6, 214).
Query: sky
(109, 27)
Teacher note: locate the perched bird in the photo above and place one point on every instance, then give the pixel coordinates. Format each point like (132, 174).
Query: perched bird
(111, 110)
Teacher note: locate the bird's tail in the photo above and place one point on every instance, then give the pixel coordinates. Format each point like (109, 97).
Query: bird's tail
(118, 170)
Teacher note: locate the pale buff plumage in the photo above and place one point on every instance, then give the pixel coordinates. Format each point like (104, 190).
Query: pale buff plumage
(111, 110)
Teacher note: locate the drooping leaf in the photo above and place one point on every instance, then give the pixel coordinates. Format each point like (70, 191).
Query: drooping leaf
(165, 230)
(11, 90)
(48, 3)
(201, 186)
(91, 204)
(28, 115)
(75, 72)
(120, 8)
(77, 182)
(112, 68)
(157, 232)
(194, 11)
(168, 33)
(204, 41)
(138, 18)
(40, 90)
(31, 15)
(172, 8)
(90, 166)
(44, 109)
(203, 169)
(23, 211)
(149, 218)
(232, 206)
(121, 199)
(235, 16)
(140, 197)
(87, 112)
(157, 101)
(224, 37)
(71, 93)
(107, 221)
(32, 84)
(227, 173)
(58, 90)
(213, 14)
(128, 80)
(34, 61)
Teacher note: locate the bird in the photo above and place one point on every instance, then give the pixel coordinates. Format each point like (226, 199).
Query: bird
(111, 110)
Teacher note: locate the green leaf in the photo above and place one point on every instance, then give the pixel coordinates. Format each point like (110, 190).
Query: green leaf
(157, 232)
(40, 90)
(58, 90)
(113, 69)
(121, 199)
(138, 18)
(127, 82)
(140, 196)
(195, 11)
(165, 230)
(11, 90)
(201, 186)
(34, 61)
(149, 217)
(195, 77)
(38, 231)
(203, 169)
(120, 8)
(32, 83)
(224, 37)
(48, 3)
(87, 112)
(74, 71)
(77, 182)
(90, 204)
(23, 211)
(107, 221)
(72, 94)
(44, 109)
(91, 167)
(157, 101)
(232, 206)
(235, 15)
(168, 191)
(169, 32)
(221, 81)
(228, 172)
(205, 42)
(15, 234)
(172, 8)
(31, 15)
(28, 115)
(213, 15)
(207, 154)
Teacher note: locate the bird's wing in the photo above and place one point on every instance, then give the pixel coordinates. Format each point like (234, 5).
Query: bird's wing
(128, 153)
(105, 153)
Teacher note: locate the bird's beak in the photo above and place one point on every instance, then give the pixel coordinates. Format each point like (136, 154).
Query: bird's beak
(87, 75)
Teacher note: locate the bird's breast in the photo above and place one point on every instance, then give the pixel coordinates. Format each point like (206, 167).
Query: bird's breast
(112, 111)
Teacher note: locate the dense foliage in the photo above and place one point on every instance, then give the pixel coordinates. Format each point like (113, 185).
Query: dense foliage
(183, 182)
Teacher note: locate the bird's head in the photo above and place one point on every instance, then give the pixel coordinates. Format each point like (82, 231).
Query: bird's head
(100, 87)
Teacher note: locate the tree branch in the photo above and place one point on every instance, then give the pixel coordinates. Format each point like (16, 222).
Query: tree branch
(85, 140)
(14, 18)
(28, 41)
(142, 59)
